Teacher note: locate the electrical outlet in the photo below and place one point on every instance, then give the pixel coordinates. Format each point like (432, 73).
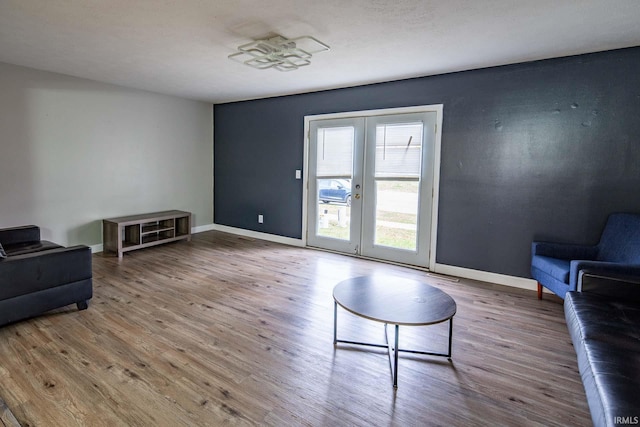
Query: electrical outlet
(298, 174)
(260, 219)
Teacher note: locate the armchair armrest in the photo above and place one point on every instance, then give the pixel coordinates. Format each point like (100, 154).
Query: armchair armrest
(15, 235)
(42, 270)
(563, 250)
(619, 286)
(602, 268)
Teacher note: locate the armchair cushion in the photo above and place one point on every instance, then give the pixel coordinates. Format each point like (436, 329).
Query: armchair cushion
(554, 267)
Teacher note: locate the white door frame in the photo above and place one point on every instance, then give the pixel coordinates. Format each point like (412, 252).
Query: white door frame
(437, 108)
(352, 244)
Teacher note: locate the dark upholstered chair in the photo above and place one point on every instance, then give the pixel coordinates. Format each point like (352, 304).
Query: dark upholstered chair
(37, 275)
(556, 266)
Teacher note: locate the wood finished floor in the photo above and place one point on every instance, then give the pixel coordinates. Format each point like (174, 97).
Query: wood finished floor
(229, 330)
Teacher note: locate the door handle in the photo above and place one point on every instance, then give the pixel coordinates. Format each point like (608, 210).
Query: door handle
(357, 196)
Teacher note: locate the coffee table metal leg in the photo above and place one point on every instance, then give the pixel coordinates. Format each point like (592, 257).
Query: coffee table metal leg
(335, 324)
(450, 336)
(395, 357)
(393, 353)
(393, 350)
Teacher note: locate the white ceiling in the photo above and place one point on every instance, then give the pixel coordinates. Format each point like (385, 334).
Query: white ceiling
(180, 47)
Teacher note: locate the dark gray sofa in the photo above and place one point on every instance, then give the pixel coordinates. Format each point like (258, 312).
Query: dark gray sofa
(37, 275)
(603, 317)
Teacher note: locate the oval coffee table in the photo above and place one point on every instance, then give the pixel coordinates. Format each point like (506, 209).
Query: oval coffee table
(391, 300)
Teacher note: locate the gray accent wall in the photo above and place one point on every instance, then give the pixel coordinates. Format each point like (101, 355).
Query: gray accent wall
(536, 151)
(75, 151)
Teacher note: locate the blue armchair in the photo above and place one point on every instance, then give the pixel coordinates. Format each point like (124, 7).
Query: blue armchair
(556, 266)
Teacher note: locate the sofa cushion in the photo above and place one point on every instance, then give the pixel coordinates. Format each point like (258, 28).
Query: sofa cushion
(3, 254)
(30, 247)
(22, 234)
(557, 268)
(606, 338)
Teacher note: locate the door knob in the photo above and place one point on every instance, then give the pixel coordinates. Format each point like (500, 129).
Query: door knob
(357, 196)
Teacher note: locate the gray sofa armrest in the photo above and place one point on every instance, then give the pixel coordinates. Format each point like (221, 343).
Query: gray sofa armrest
(611, 285)
(16, 235)
(32, 272)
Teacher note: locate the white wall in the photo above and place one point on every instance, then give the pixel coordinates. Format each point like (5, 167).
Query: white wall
(74, 151)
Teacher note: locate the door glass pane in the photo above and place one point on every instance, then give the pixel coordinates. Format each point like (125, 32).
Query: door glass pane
(397, 181)
(334, 171)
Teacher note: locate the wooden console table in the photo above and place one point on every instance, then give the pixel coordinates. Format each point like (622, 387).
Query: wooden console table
(133, 232)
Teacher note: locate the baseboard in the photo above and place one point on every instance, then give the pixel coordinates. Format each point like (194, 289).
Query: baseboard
(484, 276)
(97, 248)
(201, 228)
(258, 235)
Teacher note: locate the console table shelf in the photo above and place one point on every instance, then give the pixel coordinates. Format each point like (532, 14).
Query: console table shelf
(133, 232)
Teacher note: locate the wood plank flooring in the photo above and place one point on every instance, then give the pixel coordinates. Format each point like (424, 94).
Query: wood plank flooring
(230, 330)
(6, 416)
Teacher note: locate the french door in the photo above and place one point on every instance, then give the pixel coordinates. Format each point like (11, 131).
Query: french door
(371, 185)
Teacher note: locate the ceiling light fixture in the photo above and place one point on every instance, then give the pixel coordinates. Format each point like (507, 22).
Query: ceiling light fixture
(279, 53)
